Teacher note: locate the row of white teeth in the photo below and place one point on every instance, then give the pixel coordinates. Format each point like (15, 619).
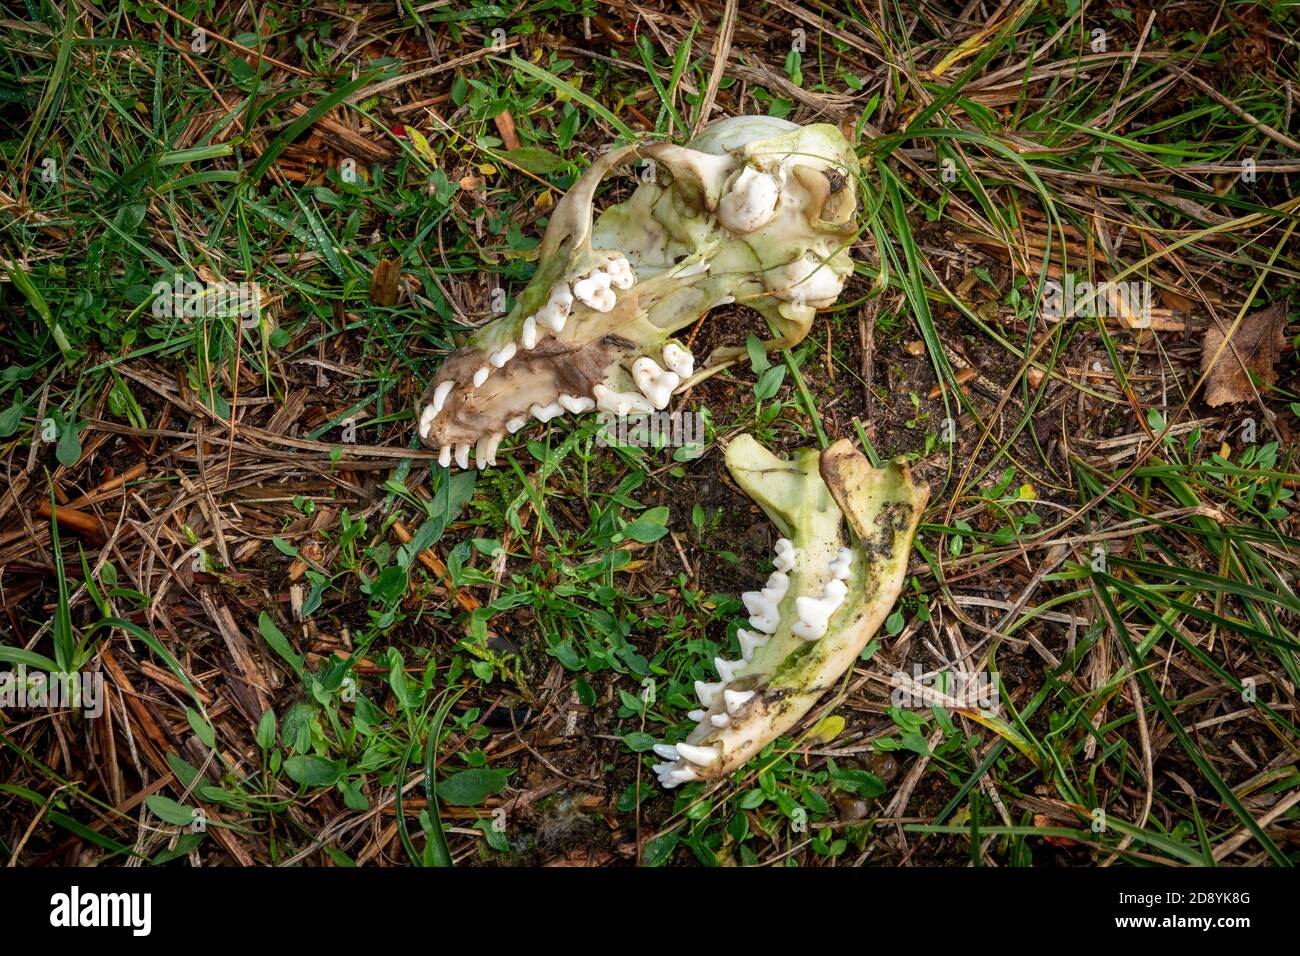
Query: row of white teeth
(656, 383)
(593, 290)
(682, 761)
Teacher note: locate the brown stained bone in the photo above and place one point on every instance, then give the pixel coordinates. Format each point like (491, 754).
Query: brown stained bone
(555, 367)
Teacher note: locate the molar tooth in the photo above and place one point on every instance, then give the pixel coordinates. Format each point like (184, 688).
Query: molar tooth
(749, 641)
(727, 669)
(562, 296)
(701, 756)
(815, 613)
(553, 317)
(785, 555)
(594, 291)
(514, 424)
(440, 395)
(504, 354)
(620, 403)
(620, 272)
(679, 359)
(544, 413)
(462, 456)
(655, 383)
(778, 582)
(720, 720)
(708, 693)
(841, 564)
(667, 751)
(444, 456)
(763, 612)
(577, 404)
(481, 376)
(528, 336)
(426, 419)
(736, 699)
(485, 452)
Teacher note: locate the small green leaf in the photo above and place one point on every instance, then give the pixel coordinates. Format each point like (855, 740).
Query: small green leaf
(169, 811)
(313, 771)
(278, 642)
(639, 742)
(469, 788)
(536, 160)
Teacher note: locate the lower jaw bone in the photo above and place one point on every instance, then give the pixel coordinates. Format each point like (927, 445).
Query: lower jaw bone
(850, 529)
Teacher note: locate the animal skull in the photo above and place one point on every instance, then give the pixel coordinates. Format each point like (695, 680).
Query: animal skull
(754, 210)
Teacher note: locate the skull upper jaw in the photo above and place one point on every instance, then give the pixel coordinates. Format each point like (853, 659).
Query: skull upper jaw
(689, 244)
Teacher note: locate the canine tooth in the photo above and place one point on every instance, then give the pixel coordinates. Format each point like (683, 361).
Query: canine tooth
(785, 555)
(697, 715)
(655, 383)
(440, 395)
(426, 419)
(620, 403)
(514, 424)
(485, 452)
(481, 376)
(528, 337)
(444, 456)
(701, 756)
(504, 354)
(763, 612)
(736, 699)
(679, 359)
(667, 751)
(749, 641)
(462, 456)
(727, 669)
(720, 720)
(707, 693)
(577, 404)
(544, 413)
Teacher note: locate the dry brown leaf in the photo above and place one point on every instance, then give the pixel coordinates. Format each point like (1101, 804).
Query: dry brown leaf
(1258, 340)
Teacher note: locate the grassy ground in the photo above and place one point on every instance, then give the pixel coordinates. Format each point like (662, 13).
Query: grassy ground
(300, 622)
